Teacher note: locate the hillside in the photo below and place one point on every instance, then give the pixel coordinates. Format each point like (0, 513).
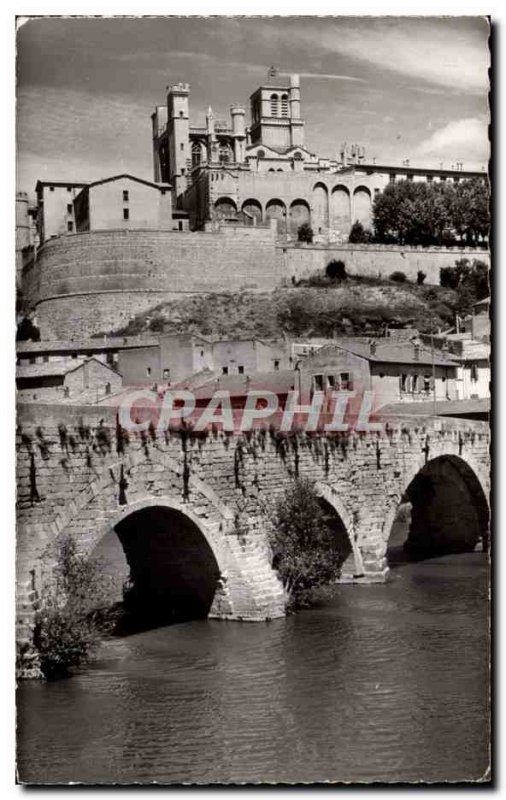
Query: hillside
(353, 307)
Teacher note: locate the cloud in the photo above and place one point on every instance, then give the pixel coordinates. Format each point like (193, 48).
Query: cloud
(451, 52)
(328, 76)
(463, 140)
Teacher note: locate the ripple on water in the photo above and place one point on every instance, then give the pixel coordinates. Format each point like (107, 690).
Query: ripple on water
(379, 683)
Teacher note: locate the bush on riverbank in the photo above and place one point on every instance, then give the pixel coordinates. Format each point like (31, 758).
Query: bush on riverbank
(66, 630)
(304, 549)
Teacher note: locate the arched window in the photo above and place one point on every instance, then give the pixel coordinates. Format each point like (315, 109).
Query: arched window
(261, 154)
(274, 105)
(196, 154)
(284, 105)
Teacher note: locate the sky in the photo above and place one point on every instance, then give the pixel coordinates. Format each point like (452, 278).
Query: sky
(403, 87)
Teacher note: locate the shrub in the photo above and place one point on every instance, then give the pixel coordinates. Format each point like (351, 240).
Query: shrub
(420, 277)
(304, 549)
(398, 277)
(358, 234)
(305, 233)
(65, 632)
(336, 270)
(157, 324)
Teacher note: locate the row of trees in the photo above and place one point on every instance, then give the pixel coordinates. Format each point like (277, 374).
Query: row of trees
(429, 213)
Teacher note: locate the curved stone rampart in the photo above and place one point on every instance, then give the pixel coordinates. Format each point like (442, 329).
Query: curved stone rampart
(88, 282)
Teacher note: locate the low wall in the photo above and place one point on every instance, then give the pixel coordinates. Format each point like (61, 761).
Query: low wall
(376, 260)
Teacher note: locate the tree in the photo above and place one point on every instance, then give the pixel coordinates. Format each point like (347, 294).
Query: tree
(305, 552)
(358, 234)
(420, 213)
(305, 233)
(469, 280)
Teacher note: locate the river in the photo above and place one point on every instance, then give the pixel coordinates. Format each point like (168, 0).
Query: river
(378, 683)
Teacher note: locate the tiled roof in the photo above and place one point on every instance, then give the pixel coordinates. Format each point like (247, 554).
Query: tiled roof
(57, 368)
(389, 352)
(443, 408)
(238, 385)
(64, 345)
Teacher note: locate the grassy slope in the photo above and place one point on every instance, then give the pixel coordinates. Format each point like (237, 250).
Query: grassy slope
(357, 306)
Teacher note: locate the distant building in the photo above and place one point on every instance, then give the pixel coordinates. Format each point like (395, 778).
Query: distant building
(85, 381)
(176, 357)
(252, 173)
(394, 372)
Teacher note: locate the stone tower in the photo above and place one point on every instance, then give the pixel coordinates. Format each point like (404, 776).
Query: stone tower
(179, 154)
(275, 115)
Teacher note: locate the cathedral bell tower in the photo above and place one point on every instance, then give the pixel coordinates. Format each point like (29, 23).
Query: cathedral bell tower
(275, 114)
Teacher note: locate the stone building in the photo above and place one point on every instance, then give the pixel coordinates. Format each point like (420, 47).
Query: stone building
(85, 381)
(252, 173)
(123, 202)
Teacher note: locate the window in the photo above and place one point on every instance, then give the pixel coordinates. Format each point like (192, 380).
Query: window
(331, 381)
(391, 178)
(276, 365)
(409, 177)
(430, 178)
(318, 382)
(181, 113)
(126, 213)
(70, 227)
(32, 359)
(224, 370)
(181, 146)
(69, 208)
(180, 225)
(225, 153)
(166, 375)
(125, 195)
(298, 156)
(427, 383)
(240, 369)
(346, 381)
(414, 387)
(404, 382)
(274, 105)
(148, 371)
(45, 359)
(284, 105)
(74, 355)
(474, 373)
(261, 154)
(51, 188)
(183, 171)
(69, 188)
(163, 192)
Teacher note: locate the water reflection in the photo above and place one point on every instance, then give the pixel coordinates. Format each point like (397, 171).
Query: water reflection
(378, 683)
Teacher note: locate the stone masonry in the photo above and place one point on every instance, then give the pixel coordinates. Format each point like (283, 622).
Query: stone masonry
(79, 473)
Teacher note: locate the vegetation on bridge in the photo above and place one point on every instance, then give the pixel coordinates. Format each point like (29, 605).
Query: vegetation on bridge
(66, 625)
(305, 552)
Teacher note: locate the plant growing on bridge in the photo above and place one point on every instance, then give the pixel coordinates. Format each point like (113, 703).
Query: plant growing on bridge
(66, 630)
(304, 548)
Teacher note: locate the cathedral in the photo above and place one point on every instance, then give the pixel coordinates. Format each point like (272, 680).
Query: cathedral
(262, 171)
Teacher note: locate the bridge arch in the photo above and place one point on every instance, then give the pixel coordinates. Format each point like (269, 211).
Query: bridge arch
(173, 562)
(353, 557)
(446, 506)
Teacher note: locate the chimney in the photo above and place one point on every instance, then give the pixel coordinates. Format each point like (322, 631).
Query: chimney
(372, 347)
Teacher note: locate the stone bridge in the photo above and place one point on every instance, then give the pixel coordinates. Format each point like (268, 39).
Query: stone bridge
(190, 511)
